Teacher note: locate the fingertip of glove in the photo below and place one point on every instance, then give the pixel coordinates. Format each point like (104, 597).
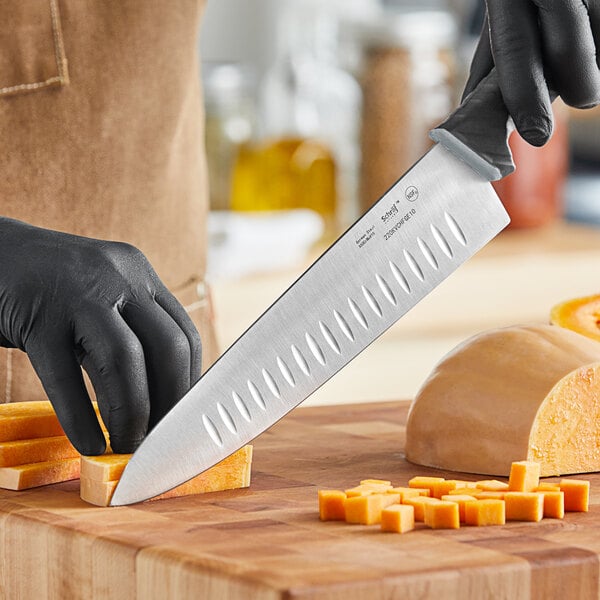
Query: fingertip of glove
(124, 446)
(535, 131)
(90, 447)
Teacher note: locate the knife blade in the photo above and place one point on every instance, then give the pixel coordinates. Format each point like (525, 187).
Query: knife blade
(431, 221)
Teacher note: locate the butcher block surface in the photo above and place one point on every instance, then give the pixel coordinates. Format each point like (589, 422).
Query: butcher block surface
(266, 542)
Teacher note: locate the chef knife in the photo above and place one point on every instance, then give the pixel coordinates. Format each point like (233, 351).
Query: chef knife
(432, 220)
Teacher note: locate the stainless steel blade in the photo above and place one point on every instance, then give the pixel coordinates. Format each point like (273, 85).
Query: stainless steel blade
(430, 222)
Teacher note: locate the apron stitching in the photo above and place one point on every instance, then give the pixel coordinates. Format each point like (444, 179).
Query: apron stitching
(9, 376)
(59, 54)
(30, 86)
(59, 50)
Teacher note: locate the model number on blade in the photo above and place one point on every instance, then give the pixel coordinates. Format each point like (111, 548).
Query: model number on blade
(366, 236)
(409, 215)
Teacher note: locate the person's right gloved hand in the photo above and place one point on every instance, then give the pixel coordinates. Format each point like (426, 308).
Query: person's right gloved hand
(534, 45)
(68, 301)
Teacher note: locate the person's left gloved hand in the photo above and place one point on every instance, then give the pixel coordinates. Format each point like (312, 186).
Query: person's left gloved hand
(68, 301)
(534, 45)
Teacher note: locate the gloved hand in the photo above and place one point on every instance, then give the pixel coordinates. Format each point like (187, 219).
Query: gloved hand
(69, 301)
(536, 44)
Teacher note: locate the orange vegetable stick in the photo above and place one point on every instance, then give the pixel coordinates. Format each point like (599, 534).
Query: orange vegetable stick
(22, 477)
(22, 452)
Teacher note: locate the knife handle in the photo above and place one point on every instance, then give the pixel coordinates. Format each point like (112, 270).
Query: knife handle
(477, 131)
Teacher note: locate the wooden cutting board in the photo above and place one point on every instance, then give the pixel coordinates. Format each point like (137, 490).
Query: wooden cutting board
(268, 543)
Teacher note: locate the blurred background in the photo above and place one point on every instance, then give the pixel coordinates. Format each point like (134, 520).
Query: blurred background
(314, 108)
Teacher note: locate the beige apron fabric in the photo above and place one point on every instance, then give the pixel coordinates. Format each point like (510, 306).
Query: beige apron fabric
(102, 135)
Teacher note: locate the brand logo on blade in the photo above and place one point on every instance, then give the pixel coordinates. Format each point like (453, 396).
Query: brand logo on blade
(411, 193)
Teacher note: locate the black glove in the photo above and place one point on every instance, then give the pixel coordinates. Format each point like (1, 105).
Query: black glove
(69, 301)
(536, 44)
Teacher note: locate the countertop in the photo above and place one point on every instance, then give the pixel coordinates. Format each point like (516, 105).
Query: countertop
(267, 543)
(515, 279)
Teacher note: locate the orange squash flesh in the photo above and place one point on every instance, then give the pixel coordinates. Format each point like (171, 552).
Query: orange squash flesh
(231, 473)
(461, 500)
(22, 477)
(106, 467)
(331, 505)
(27, 420)
(579, 314)
(524, 476)
(554, 505)
(483, 513)
(398, 518)
(441, 515)
(524, 506)
(21, 452)
(577, 494)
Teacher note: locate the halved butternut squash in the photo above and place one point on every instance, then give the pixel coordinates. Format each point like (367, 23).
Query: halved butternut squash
(524, 392)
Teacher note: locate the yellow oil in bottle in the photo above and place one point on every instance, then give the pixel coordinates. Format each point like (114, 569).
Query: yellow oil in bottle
(286, 173)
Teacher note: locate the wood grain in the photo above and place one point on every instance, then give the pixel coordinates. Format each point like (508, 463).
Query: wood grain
(266, 542)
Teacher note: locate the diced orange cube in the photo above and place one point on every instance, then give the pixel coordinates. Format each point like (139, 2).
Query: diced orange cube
(398, 518)
(406, 492)
(481, 495)
(389, 499)
(524, 506)
(383, 482)
(577, 494)
(462, 491)
(441, 515)
(331, 505)
(461, 483)
(492, 485)
(364, 510)
(441, 488)
(524, 476)
(554, 504)
(547, 487)
(461, 500)
(359, 490)
(418, 503)
(424, 482)
(410, 492)
(485, 512)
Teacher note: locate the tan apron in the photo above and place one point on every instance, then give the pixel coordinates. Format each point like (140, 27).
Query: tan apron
(101, 134)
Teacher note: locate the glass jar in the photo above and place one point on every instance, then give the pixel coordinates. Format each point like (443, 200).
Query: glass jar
(409, 86)
(231, 120)
(310, 109)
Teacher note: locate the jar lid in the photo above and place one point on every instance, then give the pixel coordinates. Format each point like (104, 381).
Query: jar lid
(411, 27)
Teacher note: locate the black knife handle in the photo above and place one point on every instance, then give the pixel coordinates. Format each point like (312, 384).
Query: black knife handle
(477, 131)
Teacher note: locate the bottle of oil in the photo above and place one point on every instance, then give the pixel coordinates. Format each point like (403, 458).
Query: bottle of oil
(309, 111)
